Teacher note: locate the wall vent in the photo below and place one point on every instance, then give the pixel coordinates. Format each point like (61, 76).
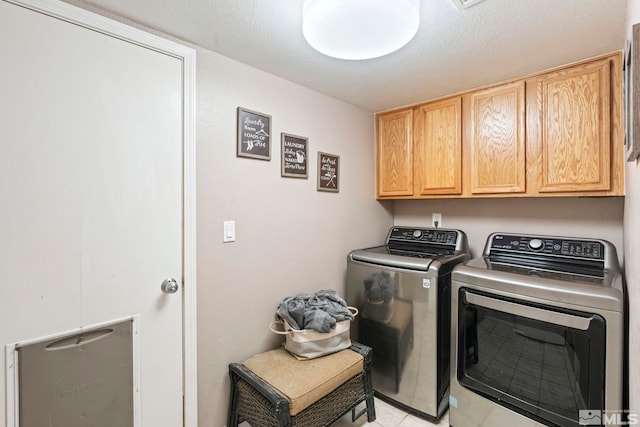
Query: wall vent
(464, 4)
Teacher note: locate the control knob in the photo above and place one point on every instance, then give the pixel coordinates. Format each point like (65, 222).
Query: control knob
(417, 234)
(536, 244)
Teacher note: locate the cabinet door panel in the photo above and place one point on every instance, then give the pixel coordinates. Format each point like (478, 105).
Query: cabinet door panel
(395, 165)
(498, 140)
(438, 149)
(576, 129)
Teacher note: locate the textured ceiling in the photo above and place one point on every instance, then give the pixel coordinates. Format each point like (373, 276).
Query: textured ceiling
(454, 49)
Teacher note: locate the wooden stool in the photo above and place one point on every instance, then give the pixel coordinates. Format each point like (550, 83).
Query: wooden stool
(276, 389)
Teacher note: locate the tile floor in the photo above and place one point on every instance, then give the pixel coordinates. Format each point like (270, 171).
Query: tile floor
(390, 416)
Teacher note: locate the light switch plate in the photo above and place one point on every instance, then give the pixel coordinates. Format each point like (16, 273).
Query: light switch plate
(229, 231)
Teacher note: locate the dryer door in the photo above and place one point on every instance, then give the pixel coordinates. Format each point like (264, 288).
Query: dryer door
(544, 362)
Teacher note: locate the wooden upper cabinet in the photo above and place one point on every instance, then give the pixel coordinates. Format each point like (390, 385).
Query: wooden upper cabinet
(438, 147)
(394, 171)
(575, 146)
(556, 133)
(497, 140)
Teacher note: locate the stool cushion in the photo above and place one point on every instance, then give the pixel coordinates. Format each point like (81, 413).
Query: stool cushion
(304, 382)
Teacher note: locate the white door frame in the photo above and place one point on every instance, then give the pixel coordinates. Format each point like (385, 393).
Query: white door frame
(187, 55)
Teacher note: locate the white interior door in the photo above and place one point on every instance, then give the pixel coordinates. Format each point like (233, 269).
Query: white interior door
(91, 178)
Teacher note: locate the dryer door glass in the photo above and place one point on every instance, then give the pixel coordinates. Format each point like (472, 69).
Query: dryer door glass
(544, 362)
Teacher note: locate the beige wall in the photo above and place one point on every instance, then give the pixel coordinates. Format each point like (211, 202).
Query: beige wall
(632, 251)
(578, 217)
(290, 237)
(632, 273)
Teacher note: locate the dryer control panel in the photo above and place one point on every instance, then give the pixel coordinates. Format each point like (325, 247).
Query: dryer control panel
(547, 246)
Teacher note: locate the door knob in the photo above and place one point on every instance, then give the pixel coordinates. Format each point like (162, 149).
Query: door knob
(169, 286)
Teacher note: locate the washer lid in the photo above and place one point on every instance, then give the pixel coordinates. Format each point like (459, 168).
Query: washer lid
(421, 260)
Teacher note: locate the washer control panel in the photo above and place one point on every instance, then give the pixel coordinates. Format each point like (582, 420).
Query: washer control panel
(422, 235)
(544, 245)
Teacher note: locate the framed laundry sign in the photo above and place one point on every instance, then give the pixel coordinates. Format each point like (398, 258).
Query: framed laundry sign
(295, 157)
(328, 172)
(254, 134)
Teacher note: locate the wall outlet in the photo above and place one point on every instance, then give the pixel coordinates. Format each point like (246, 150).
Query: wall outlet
(436, 220)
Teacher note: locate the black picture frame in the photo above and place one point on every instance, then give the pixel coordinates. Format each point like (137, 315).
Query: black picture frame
(631, 65)
(254, 134)
(328, 172)
(295, 156)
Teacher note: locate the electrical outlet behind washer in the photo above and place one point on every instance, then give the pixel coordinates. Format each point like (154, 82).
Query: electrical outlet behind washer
(436, 217)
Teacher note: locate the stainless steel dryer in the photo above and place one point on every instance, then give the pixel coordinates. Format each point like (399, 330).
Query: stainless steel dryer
(402, 290)
(538, 334)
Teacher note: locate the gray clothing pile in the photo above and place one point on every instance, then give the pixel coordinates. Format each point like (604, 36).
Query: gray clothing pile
(319, 311)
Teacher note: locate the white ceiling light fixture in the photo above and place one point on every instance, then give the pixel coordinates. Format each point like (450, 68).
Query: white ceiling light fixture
(359, 29)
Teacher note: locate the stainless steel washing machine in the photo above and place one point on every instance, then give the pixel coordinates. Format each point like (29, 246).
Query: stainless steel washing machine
(538, 334)
(403, 292)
